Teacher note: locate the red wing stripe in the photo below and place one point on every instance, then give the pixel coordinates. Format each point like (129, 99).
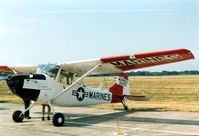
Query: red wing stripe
(6, 70)
(159, 53)
(148, 59)
(115, 58)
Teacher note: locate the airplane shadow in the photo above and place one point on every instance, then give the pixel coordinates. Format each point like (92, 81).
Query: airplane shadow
(122, 116)
(4, 108)
(4, 102)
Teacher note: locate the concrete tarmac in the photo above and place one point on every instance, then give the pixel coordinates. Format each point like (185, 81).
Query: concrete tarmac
(99, 122)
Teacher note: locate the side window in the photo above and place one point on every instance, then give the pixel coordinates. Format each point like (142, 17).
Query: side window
(66, 77)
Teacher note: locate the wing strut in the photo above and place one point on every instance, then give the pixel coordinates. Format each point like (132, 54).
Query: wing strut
(86, 74)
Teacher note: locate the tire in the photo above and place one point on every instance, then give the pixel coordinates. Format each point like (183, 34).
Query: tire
(58, 119)
(17, 116)
(126, 108)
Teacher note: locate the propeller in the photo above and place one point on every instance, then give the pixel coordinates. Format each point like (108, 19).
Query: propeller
(4, 76)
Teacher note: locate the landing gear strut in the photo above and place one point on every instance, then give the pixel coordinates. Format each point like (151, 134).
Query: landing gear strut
(18, 115)
(58, 118)
(125, 105)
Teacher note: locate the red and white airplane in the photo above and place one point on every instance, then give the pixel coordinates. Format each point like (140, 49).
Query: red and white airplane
(54, 85)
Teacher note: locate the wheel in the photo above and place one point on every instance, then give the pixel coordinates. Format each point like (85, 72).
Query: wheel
(17, 116)
(126, 108)
(58, 120)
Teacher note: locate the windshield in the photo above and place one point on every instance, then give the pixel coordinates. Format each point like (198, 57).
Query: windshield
(52, 70)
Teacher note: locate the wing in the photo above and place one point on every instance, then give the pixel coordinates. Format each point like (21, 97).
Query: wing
(128, 62)
(6, 70)
(113, 64)
(24, 69)
(143, 60)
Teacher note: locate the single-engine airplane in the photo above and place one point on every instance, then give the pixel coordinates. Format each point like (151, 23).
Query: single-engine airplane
(55, 84)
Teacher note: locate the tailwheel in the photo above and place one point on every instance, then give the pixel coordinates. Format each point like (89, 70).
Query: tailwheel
(125, 106)
(17, 116)
(58, 119)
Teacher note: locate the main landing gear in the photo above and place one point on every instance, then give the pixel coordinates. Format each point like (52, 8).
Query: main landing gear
(18, 115)
(58, 118)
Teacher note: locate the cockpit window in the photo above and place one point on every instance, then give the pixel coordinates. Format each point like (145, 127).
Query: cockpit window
(50, 69)
(66, 77)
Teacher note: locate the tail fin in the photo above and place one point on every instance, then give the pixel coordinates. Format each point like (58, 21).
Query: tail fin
(120, 88)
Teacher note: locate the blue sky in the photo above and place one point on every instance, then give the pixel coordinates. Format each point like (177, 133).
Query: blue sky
(42, 31)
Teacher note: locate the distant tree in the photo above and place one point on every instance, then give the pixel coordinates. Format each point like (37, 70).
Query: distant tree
(148, 73)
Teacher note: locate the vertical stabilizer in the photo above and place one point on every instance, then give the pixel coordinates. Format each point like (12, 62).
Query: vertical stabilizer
(120, 88)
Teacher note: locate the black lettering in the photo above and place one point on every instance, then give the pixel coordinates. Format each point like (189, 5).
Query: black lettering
(109, 97)
(94, 95)
(99, 96)
(91, 95)
(150, 59)
(144, 61)
(174, 56)
(102, 96)
(117, 64)
(161, 58)
(127, 62)
(105, 97)
(138, 61)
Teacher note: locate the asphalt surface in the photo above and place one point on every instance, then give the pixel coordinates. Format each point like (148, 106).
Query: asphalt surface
(99, 122)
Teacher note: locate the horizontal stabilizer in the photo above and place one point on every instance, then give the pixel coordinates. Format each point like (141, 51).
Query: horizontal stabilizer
(137, 97)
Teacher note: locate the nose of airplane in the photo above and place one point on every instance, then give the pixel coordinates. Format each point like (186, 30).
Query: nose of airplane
(15, 83)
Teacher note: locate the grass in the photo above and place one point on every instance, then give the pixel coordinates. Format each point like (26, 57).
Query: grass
(6, 96)
(167, 93)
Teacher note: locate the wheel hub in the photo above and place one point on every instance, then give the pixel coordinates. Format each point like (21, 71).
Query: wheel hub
(60, 120)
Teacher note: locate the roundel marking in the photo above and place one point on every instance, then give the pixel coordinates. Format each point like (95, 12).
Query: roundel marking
(80, 94)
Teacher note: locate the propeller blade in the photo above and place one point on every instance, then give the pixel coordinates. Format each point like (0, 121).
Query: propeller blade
(3, 76)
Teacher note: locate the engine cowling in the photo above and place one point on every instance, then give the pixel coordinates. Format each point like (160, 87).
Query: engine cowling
(15, 83)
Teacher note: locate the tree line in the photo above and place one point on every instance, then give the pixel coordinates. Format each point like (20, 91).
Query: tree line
(148, 73)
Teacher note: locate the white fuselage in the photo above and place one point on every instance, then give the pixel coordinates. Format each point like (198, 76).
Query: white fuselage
(77, 95)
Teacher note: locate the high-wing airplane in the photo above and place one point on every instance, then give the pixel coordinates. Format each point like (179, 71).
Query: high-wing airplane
(55, 84)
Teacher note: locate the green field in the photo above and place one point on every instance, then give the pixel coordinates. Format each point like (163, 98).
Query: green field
(6, 96)
(174, 93)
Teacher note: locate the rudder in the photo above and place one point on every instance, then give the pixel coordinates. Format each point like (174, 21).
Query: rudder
(120, 88)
